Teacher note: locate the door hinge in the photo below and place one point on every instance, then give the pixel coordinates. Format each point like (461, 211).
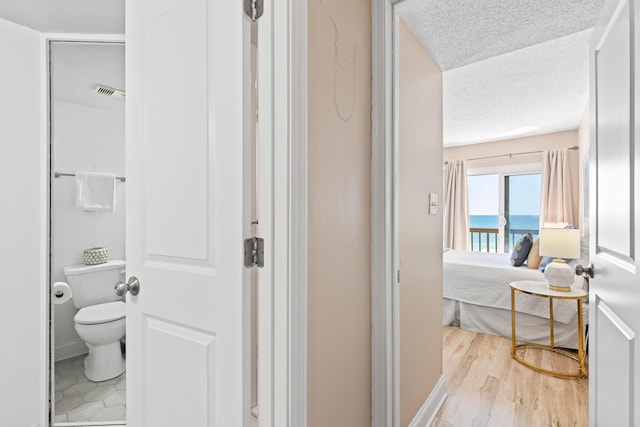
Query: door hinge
(254, 252)
(398, 275)
(254, 9)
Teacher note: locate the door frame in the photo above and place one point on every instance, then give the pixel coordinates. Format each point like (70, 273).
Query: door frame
(48, 326)
(385, 312)
(282, 63)
(283, 150)
(385, 222)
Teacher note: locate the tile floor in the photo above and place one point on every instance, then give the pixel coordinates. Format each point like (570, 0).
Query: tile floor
(79, 400)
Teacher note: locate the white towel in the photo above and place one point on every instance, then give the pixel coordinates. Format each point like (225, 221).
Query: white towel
(95, 192)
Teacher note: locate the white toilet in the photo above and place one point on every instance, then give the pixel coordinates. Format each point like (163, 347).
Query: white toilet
(100, 322)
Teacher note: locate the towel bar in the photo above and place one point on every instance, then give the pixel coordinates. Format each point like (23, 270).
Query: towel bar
(59, 174)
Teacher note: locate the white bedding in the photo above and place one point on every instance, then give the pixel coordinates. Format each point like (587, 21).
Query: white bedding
(483, 279)
(496, 321)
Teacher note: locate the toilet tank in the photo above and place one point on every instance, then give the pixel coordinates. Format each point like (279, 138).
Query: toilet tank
(93, 284)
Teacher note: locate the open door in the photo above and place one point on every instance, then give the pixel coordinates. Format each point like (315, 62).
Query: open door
(615, 212)
(188, 211)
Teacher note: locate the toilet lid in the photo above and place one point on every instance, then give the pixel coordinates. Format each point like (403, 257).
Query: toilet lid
(101, 313)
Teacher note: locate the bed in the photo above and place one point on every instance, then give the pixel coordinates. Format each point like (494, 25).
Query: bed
(477, 297)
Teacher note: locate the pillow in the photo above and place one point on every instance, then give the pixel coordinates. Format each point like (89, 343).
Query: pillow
(534, 258)
(546, 260)
(521, 250)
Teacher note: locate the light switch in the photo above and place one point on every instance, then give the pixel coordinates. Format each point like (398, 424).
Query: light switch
(433, 203)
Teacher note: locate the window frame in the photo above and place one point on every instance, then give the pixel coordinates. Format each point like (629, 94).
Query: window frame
(503, 171)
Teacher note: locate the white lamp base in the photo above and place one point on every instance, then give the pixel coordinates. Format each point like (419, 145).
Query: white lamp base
(559, 275)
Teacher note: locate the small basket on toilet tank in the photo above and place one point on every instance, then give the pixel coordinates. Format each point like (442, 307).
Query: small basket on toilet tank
(93, 256)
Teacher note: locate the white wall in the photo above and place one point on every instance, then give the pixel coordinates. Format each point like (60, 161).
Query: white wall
(22, 220)
(84, 139)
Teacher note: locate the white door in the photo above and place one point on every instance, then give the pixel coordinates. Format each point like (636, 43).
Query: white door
(615, 224)
(188, 338)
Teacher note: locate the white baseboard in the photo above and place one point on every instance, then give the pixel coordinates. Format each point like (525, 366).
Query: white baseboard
(72, 349)
(431, 405)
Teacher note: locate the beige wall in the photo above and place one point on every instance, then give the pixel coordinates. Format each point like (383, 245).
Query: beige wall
(420, 113)
(339, 201)
(531, 143)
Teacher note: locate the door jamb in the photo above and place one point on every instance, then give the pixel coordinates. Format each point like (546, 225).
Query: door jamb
(282, 66)
(385, 382)
(48, 325)
(385, 250)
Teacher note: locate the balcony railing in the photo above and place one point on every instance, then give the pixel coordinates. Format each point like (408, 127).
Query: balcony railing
(486, 239)
(486, 236)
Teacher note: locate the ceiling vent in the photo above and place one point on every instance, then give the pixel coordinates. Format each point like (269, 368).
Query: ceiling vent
(109, 91)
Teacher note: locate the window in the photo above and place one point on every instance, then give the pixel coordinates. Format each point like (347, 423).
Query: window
(521, 207)
(484, 211)
(504, 204)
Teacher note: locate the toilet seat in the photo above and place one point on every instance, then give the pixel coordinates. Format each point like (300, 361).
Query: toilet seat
(101, 313)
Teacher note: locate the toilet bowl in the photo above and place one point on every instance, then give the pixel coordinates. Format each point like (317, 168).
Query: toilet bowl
(101, 327)
(100, 321)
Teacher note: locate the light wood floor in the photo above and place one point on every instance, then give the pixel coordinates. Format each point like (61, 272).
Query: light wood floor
(488, 388)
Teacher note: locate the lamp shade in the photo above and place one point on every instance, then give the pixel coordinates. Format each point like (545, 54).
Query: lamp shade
(560, 242)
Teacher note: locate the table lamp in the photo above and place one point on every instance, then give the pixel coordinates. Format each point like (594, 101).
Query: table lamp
(559, 243)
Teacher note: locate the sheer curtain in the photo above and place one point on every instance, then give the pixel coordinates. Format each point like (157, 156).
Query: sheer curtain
(456, 206)
(556, 201)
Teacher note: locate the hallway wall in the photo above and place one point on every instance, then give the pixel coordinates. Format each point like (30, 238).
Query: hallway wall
(23, 190)
(420, 129)
(339, 205)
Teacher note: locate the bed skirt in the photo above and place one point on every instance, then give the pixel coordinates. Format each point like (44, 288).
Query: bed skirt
(497, 321)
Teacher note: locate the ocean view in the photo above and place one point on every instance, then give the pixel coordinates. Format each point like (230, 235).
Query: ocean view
(516, 222)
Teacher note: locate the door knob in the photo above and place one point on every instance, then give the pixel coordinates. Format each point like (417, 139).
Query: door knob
(588, 270)
(132, 286)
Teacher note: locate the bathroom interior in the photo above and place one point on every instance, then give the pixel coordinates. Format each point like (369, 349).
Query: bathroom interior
(87, 134)
(87, 137)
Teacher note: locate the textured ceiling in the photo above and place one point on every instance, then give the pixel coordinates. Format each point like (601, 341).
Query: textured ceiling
(460, 32)
(512, 68)
(538, 89)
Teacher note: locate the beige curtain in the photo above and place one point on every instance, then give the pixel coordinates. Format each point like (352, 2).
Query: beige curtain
(556, 201)
(456, 206)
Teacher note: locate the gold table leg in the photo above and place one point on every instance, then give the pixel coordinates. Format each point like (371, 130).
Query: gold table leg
(552, 337)
(513, 322)
(583, 369)
(580, 359)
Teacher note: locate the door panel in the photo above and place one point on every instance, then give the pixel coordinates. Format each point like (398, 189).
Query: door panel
(188, 330)
(192, 386)
(613, 333)
(176, 132)
(614, 127)
(615, 290)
